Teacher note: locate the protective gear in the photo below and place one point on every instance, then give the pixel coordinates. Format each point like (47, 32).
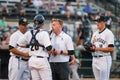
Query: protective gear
(38, 20)
(89, 47)
(34, 42)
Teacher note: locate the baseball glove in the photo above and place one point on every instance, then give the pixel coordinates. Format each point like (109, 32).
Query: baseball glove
(89, 47)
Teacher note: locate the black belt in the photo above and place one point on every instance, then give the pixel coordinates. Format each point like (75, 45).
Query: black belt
(58, 62)
(39, 56)
(21, 58)
(98, 56)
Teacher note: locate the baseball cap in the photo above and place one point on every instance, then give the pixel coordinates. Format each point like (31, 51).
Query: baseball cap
(102, 18)
(23, 21)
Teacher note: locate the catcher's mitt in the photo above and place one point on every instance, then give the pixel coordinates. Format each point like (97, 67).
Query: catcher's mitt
(89, 47)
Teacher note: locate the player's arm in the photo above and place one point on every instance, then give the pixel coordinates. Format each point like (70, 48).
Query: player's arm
(67, 52)
(17, 52)
(20, 43)
(69, 46)
(80, 62)
(50, 49)
(13, 44)
(47, 43)
(110, 42)
(63, 52)
(72, 60)
(110, 48)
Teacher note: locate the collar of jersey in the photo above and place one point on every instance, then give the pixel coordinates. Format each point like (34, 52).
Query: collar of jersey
(60, 34)
(102, 30)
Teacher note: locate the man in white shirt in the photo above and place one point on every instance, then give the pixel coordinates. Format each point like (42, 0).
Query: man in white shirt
(63, 43)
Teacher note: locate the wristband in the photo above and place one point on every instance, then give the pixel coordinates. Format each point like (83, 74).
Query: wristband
(49, 48)
(71, 52)
(61, 52)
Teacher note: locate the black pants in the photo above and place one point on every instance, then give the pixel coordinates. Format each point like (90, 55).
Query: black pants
(60, 70)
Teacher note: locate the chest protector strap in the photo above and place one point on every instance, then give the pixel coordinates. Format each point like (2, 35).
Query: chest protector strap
(33, 41)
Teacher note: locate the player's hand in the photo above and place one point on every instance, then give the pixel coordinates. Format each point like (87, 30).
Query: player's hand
(65, 52)
(51, 51)
(93, 48)
(72, 62)
(89, 46)
(56, 52)
(26, 54)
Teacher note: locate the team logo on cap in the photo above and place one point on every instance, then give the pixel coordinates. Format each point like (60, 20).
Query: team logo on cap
(25, 20)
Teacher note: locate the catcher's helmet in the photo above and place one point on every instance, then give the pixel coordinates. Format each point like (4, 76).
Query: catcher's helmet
(38, 20)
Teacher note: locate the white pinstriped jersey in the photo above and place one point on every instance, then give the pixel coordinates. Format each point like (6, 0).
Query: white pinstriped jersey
(13, 41)
(61, 42)
(42, 37)
(102, 40)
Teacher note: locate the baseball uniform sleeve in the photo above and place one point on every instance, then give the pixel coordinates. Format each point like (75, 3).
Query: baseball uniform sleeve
(13, 40)
(69, 43)
(45, 39)
(110, 38)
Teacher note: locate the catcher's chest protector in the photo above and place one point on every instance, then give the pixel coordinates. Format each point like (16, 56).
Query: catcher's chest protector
(33, 41)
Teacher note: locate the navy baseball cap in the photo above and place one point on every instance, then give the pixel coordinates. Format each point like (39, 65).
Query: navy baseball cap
(23, 21)
(102, 18)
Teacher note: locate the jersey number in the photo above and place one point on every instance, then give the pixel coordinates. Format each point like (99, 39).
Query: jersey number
(33, 48)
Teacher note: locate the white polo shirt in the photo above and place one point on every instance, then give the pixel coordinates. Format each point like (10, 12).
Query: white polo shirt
(61, 42)
(42, 37)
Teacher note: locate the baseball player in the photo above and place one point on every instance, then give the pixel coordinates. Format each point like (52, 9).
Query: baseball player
(63, 43)
(103, 41)
(39, 43)
(74, 67)
(18, 62)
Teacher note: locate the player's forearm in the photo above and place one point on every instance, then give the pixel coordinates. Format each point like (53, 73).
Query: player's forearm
(107, 49)
(50, 49)
(17, 52)
(80, 61)
(72, 57)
